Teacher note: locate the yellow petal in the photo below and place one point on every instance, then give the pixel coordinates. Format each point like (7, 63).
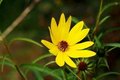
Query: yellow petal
(68, 24)
(53, 25)
(59, 59)
(83, 45)
(61, 27)
(49, 45)
(62, 21)
(81, 53)
(54, 29)
(77, 36)
(77, 27)
(54, 51)
(69, 61)
(65, 31)
(53, 38)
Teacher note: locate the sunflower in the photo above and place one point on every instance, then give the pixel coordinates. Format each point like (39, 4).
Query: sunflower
(65, 44)
(84, 68)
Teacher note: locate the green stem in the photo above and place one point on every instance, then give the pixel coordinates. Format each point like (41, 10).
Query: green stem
(73, 73)
(17, 68)
(20, 72)
(63, 74)
(2, 67)
(98, 19)
(19, 19)
(41, 57)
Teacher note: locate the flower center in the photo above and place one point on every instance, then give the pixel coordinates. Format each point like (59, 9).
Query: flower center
(62, 46)
(82, 66)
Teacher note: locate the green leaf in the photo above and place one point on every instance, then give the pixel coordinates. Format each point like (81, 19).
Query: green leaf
(100, 36)
(94, 79)
(27, 40)
(113, 45)
(1, 1)
(63, 74)
(103, 62)
(38, 75)
(106, 63)
(2, 67)
(51, 62)
(46, 70)
(73, 73)
(42, 57)
(75, 20)
(109, 5)
(97, 42)
(106, 74)
(6, 61)
(7, 64)
(38, 59)
(84, 75)
(110, 50)
(103, 20)
(70, 76)
(112, 29)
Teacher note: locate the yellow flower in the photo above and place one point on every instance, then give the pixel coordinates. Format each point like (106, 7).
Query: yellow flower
(65, 41)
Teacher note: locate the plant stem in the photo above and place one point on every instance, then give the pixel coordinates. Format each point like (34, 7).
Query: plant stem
(19, 19)
(17, 68)
(20, 72)
(73, 73)
(98, 19)
(63, 74)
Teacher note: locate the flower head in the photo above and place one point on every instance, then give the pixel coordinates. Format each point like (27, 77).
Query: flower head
(65, 41)
(84, 67)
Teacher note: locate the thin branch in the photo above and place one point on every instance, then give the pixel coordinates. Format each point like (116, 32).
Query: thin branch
(12, 27)
(19, 19)
(17, 68)
(98, 19)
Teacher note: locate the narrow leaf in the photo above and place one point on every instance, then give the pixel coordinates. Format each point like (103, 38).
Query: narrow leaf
(42, 57)
(98, 43)
(112, 29)
(51, 62)
(38, 75)
(8, 64)
(1, 1)
(103, 20)
(6, 61)
(27, 40)
(42, 69)
(3, 61)
(73, 73)
(100, 36)
(113, 45)
(109, 5)
(106, 74)
(75, 20)
(63, 74)
(110, 50)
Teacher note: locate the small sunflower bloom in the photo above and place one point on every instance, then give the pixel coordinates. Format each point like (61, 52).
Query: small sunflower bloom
(84, 67)
(65, 44)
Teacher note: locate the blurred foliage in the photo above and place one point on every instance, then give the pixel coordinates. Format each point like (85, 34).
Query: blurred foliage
(36, 23)
(35, 27)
